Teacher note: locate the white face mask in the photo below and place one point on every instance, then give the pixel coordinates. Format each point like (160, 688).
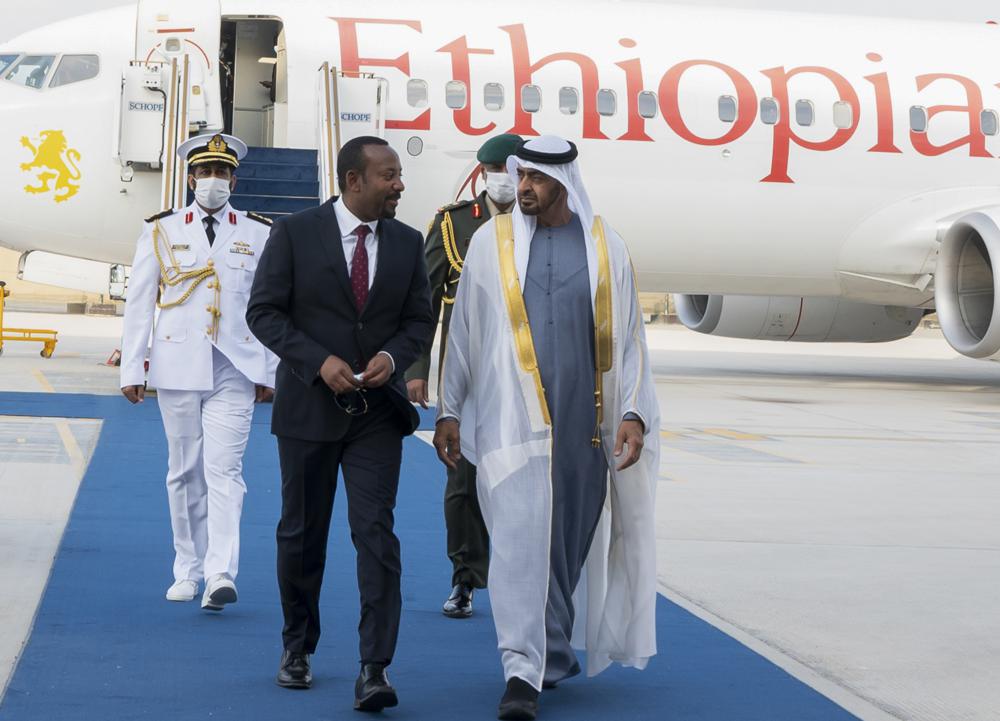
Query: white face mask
(500, 187)
(211, 193)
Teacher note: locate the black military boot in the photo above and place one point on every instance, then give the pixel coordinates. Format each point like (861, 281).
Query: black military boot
(459, 603)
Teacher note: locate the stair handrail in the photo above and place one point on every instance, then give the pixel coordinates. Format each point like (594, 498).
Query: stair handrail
(328, 145)
(176, 130)
(329, 121)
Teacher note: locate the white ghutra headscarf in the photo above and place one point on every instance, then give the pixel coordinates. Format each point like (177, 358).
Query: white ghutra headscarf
(556, 158)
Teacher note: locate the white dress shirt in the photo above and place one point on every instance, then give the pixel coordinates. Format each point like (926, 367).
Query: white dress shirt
(219, 215)
(348, 224)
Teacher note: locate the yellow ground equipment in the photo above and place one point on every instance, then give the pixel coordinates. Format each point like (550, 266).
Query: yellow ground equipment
(46, 337)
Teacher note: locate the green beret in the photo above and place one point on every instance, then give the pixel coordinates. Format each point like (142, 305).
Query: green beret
(496, 150)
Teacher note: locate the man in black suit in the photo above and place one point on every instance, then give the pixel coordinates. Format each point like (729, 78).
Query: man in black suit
(341, 297)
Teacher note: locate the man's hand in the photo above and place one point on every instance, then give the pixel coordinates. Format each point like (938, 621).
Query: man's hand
(135, 394)
(447, 441)
(338, 375)
(629, 434)
(378, 371)
(417, 391)
(264, 394)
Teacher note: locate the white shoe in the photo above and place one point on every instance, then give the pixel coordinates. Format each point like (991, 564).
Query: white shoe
(185, 590)
(219, 590)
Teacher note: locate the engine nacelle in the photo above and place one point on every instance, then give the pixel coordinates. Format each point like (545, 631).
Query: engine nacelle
(966, 284)
(782, 318)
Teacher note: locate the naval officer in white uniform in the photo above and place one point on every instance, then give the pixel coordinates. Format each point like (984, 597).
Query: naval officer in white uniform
(197, 266)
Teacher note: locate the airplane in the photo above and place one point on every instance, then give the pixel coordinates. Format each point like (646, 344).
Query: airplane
(786, 176)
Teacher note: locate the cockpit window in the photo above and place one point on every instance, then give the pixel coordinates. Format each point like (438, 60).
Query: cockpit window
(31, 70)
(6, 60)
(74, 69)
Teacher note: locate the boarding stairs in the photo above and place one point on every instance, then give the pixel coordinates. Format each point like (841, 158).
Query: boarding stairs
(276, 181)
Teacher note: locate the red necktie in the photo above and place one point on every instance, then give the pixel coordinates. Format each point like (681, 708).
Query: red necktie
(359, 267)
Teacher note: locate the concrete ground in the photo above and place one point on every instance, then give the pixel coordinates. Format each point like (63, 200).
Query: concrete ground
(833, 507)
(840, 509)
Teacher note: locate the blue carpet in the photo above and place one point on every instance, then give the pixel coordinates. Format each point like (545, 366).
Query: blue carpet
(107, 647)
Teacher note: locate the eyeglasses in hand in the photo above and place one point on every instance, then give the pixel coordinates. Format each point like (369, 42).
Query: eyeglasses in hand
(353, 403)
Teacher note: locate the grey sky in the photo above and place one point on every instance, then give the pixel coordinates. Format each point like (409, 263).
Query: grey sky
(41, 12)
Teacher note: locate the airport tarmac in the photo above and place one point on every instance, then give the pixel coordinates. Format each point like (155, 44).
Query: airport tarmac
(833, 507)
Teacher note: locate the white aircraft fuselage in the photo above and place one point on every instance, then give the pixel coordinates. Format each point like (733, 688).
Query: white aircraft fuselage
(853, 205)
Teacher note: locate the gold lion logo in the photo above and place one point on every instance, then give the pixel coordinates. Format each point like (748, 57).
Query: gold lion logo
(51, 165)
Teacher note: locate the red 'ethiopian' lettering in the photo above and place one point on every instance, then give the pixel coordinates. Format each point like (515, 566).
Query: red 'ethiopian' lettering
(746, 103)
(975, 139)
(352, 62)
(883, 110)
(783, 135)
(524, 69)
(460, 70)
(633, 86)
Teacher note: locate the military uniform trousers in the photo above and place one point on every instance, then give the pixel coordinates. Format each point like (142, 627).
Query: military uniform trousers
(207, 434)
(468, 539)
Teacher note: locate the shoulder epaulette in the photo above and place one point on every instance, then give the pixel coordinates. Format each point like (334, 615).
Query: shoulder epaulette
(164, 214)
(456, 205)
(259, 218)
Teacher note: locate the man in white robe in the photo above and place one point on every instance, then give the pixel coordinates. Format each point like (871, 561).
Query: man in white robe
(547, 388)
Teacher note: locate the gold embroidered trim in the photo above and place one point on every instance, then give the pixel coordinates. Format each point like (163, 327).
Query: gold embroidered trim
(603, 325)
(455, 259)
(173, 276)
(450, 243)
(516, 310)
(603, 320)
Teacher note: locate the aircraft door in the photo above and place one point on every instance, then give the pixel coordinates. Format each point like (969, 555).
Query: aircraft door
(169, 29)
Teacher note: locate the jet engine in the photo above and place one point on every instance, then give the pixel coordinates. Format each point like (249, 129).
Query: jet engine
(966, 284)
(783, 318)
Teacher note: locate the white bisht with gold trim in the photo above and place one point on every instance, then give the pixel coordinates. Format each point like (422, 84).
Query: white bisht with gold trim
(492, 386)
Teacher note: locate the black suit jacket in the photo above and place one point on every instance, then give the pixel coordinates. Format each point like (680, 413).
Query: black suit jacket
(302, 308)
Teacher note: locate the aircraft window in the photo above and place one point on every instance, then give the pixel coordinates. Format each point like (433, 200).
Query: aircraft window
(531, 98)
(455, 94)
(6, 60)
(843, 115)
(769, 111)
(918, 119)
(805, 114)
(31, 71)
(647, 104)
(727, 109)
(416, 93)
(493, 96)
(990, 122)
(75, 69)
(569, 101)
(607, 103)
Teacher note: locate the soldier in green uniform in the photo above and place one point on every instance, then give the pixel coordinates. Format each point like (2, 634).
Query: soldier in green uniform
(447, 242)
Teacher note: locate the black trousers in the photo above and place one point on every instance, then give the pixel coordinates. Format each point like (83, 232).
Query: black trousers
(468, 539)
(369, 455)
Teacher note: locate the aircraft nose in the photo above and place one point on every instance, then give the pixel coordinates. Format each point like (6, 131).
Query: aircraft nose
(14, 161)
(48, 148)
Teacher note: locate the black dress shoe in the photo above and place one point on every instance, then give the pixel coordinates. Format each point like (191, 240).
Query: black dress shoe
(519, 702)
(372, 691)
(294, 670)
(459, 603)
